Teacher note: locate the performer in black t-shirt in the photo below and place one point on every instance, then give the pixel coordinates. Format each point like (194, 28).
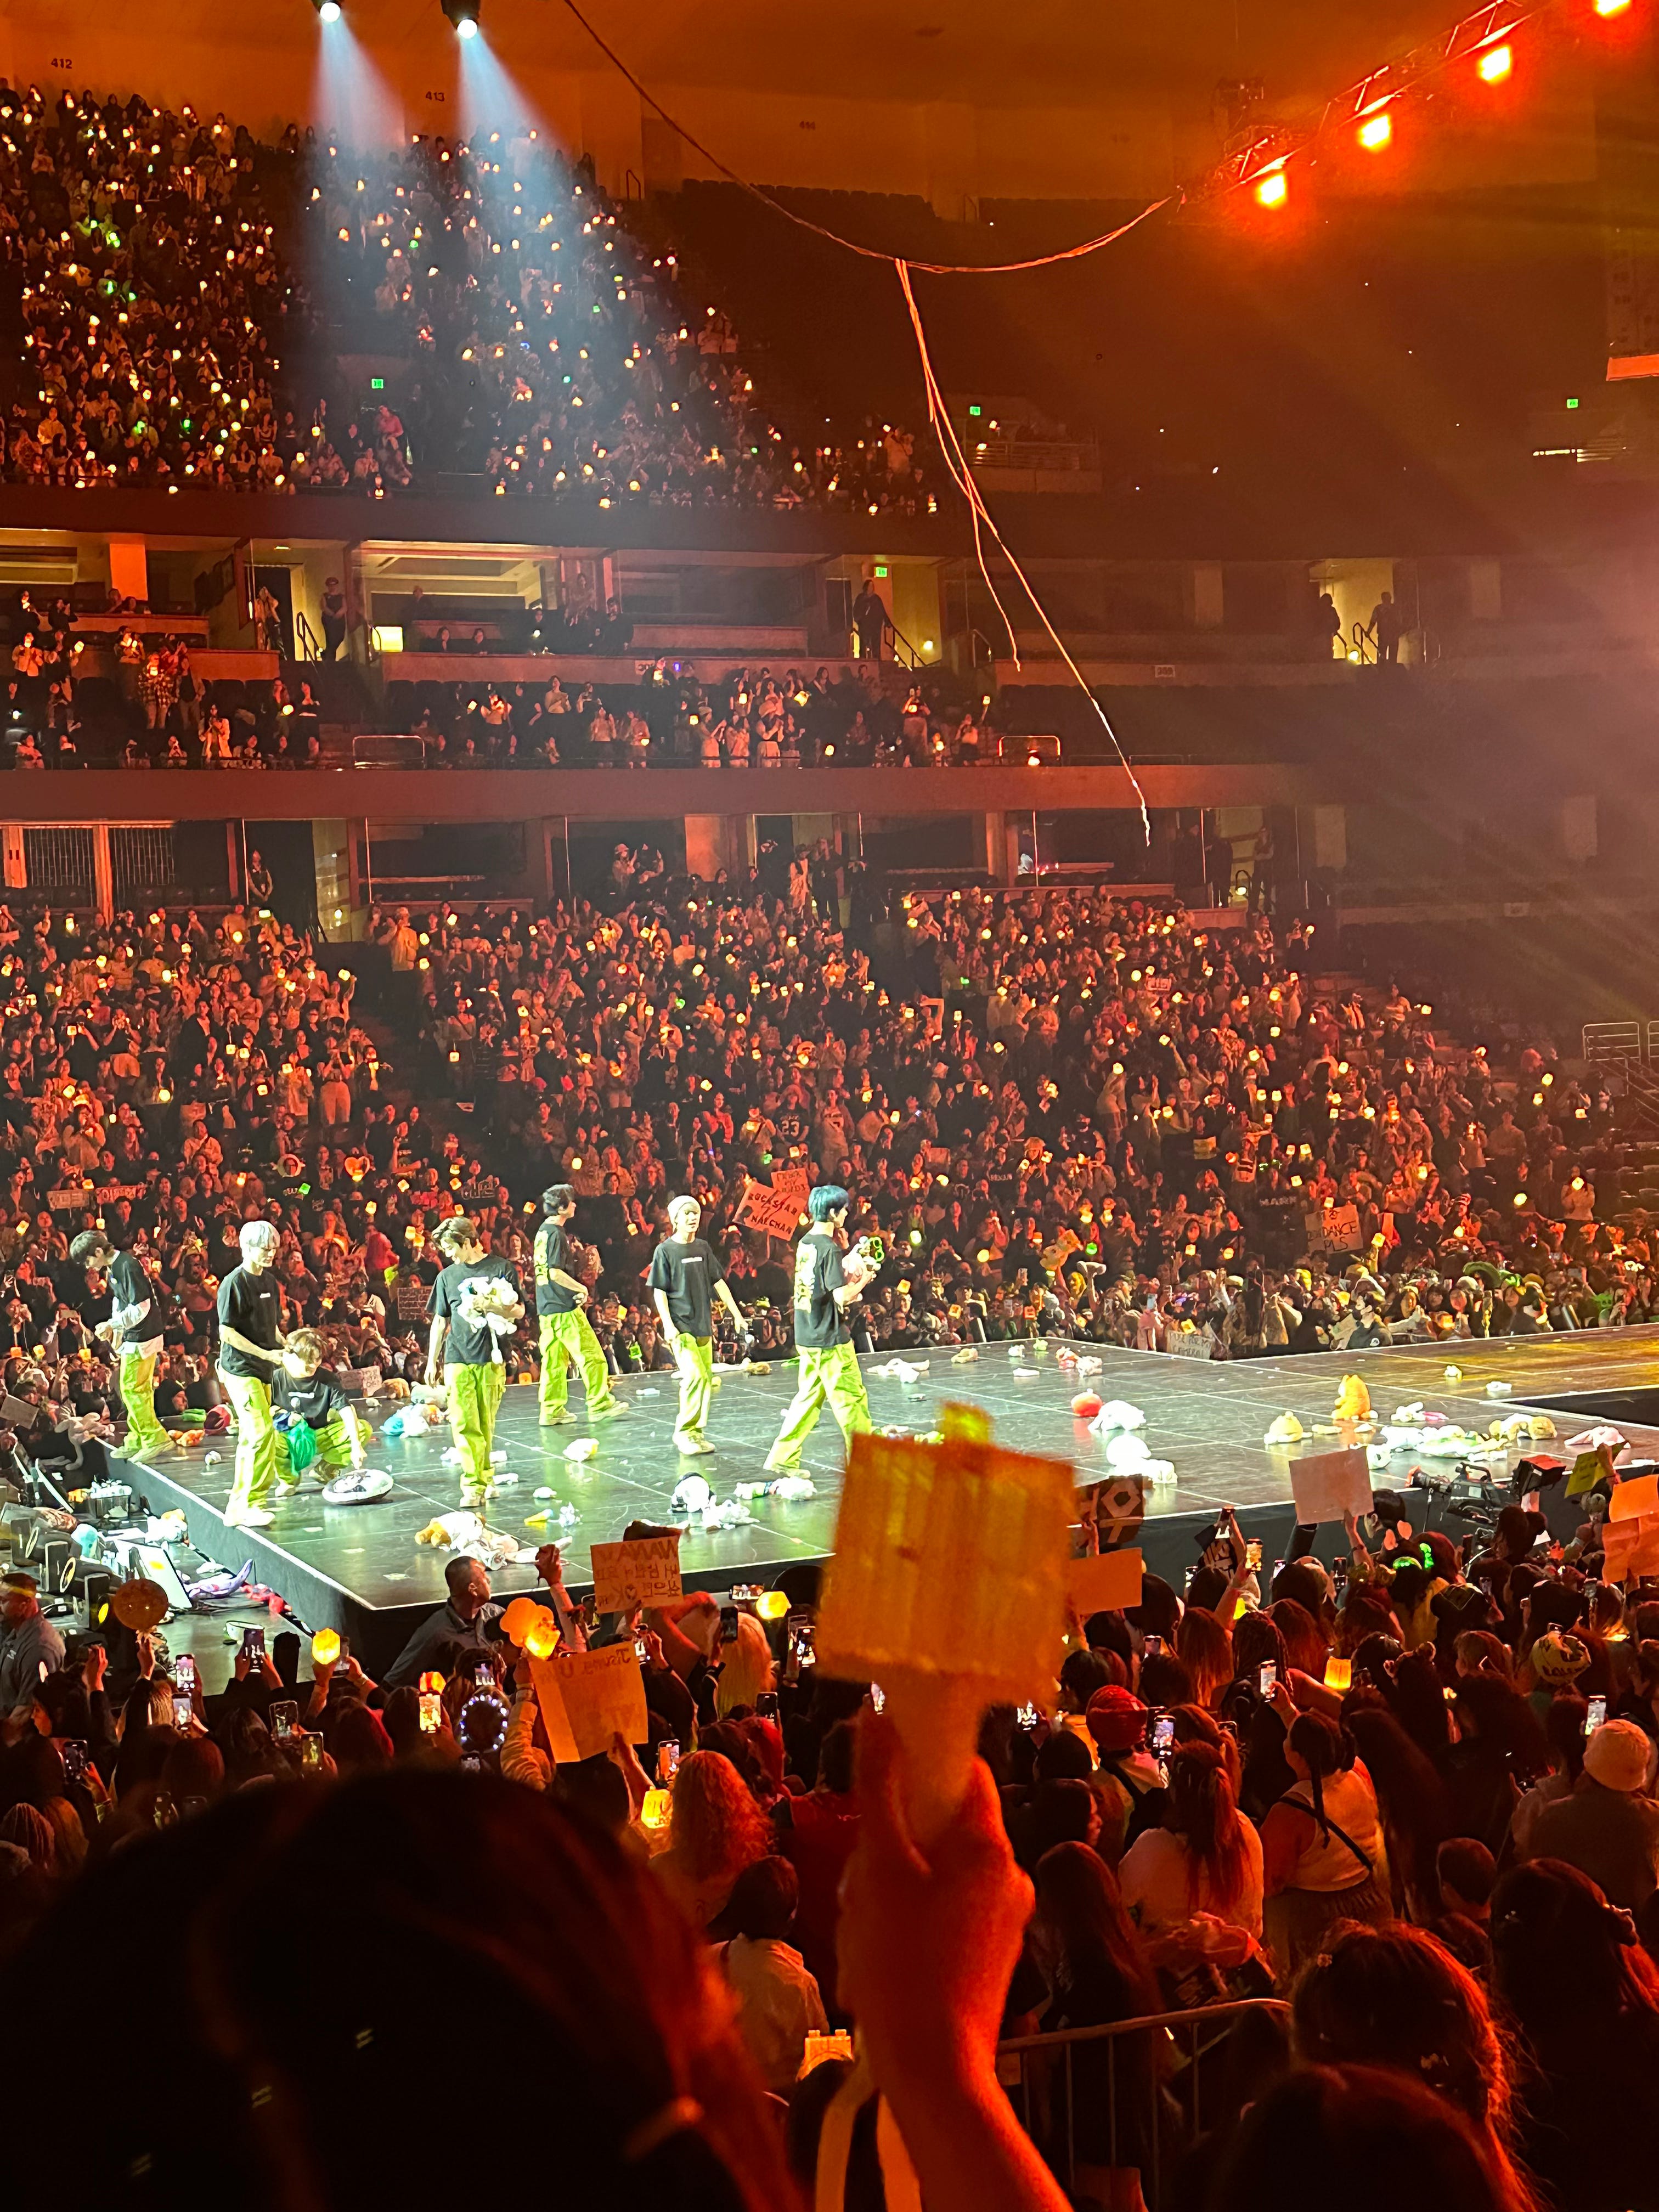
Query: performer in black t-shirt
(135, 1330)
(250, 1348)
(685, 1278)
(828, 1280)
(561, 1324)
(474, 1303)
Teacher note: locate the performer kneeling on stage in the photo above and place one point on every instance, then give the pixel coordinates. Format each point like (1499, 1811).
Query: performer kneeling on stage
(685, 1274)
(250, 1348)
(827, 1280)
(475, 1303)
(135, 1332)
(319, 1425)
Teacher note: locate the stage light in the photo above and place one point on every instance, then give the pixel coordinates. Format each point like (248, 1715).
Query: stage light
(1611, 6)
(328, 11)
(463, 14)
(1375, 131)
(1273, 189)
(1495, 64)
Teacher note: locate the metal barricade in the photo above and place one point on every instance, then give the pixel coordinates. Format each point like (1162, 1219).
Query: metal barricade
(1610, 1041)
(1140, 2090)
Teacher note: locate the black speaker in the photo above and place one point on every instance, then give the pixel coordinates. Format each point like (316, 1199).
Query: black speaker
(58, 1560)
(92, 1588)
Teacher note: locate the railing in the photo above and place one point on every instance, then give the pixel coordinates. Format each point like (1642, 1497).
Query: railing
(311, 645)
(1139, 2090)
(1611, 1042)
(904, 653)
(1055, 454)
(1359, 644)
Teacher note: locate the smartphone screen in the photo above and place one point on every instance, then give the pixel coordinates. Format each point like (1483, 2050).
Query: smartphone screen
(1266, 1678)
(877, 1696)
(668, 1759)
(1154, 1647)
(432, 1712)
(310, 1752)
(181, 1710)
(75, 1758)
(253, 1643)
(1027, 1716)
(284, 1717)
(1596, 1716)
(1162, 1732)
(766, 1706)
(642, 1649)
(184, 1669)
(728, 1623)
(1253, 1552)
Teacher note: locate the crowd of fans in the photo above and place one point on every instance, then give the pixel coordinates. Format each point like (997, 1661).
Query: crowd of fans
(1059, 1112)
(182, 294)
(1411, 1794)
(1385, 1794)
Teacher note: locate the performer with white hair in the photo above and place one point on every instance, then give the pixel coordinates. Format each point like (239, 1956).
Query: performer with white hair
(250, 1348)
(685, 1276)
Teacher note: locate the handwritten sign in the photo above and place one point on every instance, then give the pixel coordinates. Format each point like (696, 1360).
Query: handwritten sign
(589, 1699)
(1104, 1583)
(1189, 1343)
(773, 1208)
(1631, 1547)
(1634, 1500)
(645, 1573)
(1334, 1227)
(1328, 1485)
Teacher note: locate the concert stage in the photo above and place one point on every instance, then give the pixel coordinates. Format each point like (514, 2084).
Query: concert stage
(359, 1569)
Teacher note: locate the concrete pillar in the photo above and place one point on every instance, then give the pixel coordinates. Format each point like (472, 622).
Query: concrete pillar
(12, 864)
(233, 860)
(1208, 608)
(992, 852)
(1329, 840)
(103, 881)
(538, 857)
(707, 845)
(129, 568)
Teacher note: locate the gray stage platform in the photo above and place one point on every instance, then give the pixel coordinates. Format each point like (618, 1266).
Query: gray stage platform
(359, 1569)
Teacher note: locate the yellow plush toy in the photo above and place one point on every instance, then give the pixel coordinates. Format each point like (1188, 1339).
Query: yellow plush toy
(1353, 1400)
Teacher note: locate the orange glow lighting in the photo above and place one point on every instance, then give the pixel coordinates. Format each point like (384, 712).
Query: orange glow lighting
(1273, 189)
(1495, 64)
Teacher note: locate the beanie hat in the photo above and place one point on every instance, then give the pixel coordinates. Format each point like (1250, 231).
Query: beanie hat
(1616, 1756)
(1116, 1719)
(1558, 1659)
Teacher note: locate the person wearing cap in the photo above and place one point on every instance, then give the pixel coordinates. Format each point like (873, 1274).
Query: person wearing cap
(685, 1278)
(1128, 1780)
(30, 1647)
(1608, 1825)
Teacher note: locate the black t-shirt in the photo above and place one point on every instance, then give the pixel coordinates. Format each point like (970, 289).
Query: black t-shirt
(130, 1288)
(818, 1275)
(553, 1250)
(316, 1399)
(688, 1273)
(471, 1342)
(249, 1303)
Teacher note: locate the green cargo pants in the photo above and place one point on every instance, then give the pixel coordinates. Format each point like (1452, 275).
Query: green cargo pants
(144, 1432)
(831, 1374)
(695, 1357)
(475, 1398)
(256, 1441)
(565, 1337)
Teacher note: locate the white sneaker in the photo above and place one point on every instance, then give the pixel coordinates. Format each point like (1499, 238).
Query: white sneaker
(247, 1517)
(691, 1447)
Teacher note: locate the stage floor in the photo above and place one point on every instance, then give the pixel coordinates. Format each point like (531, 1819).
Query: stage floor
(359, 1568)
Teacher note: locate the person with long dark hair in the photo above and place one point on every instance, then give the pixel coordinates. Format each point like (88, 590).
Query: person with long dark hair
(1097, 1974)
(1574, 1984)
(1203, 1859)
(1322, 1845)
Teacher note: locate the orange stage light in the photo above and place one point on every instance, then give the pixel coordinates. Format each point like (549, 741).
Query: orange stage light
(1375, 131)
(1273, 189)
(1495, 64)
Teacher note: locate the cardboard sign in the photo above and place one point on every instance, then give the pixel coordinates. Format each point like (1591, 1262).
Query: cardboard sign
(1631, 1547)
(1328, 1485)
(66, 1201)
(1107, 1582)
(773, 1208)
(590, 1699)
(1115, 1508)
(646, 1572)
(1635, 1499)
(1189, 1343)
(1334, 1229)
